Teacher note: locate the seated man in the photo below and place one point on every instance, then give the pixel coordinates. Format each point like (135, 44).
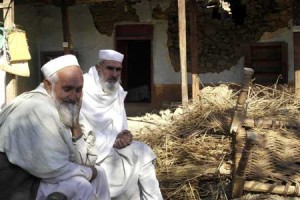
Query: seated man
(129, 166)
(37, 154)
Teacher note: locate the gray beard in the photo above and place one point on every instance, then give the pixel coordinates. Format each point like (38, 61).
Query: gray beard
(108, 87)
(66, 111)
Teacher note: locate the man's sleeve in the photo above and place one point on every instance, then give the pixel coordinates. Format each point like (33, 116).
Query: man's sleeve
(38, 143)
(85, 149)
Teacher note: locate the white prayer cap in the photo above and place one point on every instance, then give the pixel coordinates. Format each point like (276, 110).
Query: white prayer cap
(59, 63)
(108, 54)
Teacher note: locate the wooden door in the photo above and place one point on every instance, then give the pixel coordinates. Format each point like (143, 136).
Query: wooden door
(135, 42)
(269, 62)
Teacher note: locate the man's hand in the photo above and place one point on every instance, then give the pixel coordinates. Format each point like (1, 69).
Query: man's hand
(123, 139)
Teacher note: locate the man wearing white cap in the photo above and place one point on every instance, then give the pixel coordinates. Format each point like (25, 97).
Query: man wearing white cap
(129, 165)
(43, 152)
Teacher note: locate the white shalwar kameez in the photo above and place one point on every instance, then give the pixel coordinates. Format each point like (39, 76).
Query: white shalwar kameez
(130, 171)
(33, 137)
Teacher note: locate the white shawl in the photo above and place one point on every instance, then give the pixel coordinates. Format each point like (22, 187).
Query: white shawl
(107, 117)
(34, 138)
(105, 112)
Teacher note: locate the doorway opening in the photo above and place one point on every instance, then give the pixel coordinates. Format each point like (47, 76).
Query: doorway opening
(135, 42)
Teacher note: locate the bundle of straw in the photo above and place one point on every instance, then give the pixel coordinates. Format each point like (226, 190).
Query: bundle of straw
(192, 142)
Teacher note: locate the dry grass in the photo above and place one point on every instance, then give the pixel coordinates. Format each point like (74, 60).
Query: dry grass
(192, 142)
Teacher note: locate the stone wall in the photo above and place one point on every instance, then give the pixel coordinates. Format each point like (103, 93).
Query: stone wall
(223, 38)
(223, 34)
(107, 14)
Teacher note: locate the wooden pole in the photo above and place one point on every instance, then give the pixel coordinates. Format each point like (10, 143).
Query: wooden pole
(240, 139)
(239, 112)
(66, 27)
(11, 79)
(296, 37)
(182, 48)
(239, 176)
(269, 123)
(255, 186)
(194, 50)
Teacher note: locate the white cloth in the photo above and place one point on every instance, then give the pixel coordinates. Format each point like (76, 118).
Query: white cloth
(78, 188)
(34, 138)
(59, 63)
(108, 54)
(104, 112)
(107, 117)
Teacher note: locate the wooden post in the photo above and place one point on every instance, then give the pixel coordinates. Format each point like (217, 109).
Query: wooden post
(66, 27)
(11, 79)
(266, 123)
(194, 50)
(255, 186)
(239, 176)
(182, 48)
(296, 36)
(239, 111)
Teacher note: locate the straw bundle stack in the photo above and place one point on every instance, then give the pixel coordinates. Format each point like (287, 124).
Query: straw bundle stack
(193, 142)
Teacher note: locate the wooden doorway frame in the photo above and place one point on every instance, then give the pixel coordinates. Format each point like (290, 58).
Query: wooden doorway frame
(134, 32)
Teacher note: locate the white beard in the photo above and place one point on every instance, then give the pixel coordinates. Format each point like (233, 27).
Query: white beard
(109, 87)
(66, 111)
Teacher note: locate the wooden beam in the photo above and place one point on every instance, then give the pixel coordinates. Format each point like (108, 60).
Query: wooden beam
(296, 37)
(194, 49)
(182, 48)
(256, 186)
(239, 177)
(11, 79)
(65, 27)
(4, 5)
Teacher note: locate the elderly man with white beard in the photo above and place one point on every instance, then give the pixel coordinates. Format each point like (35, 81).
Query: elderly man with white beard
(129, 165)
(43, 151)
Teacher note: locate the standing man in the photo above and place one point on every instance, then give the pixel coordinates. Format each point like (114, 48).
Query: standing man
(42, 148)
(129, 165)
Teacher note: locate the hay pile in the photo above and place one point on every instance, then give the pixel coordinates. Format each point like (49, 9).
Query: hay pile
(193, 142)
